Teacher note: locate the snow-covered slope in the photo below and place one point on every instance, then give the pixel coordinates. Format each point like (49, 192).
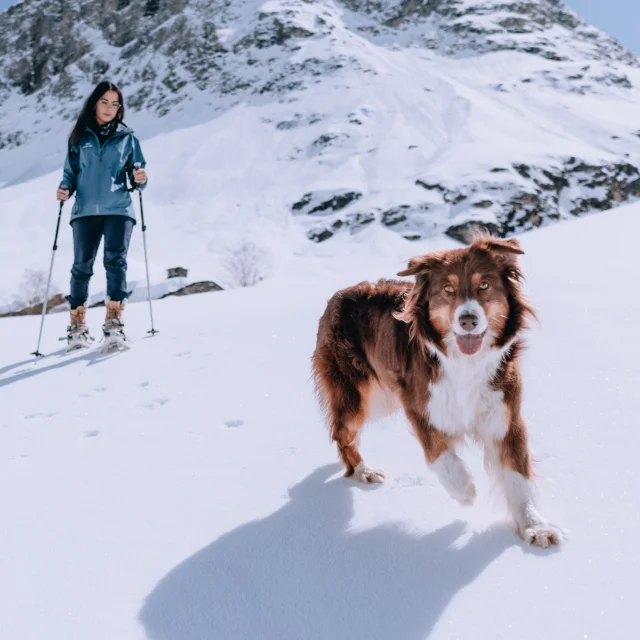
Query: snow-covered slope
(187, 489)
(419, 116)
(423, 148)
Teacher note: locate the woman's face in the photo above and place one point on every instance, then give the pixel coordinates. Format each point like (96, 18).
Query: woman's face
(107, 107)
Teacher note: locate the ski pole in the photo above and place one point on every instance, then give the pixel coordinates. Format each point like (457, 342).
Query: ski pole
(153, 331)
(45, 302)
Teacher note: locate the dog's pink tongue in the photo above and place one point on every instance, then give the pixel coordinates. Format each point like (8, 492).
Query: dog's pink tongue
(469, 344)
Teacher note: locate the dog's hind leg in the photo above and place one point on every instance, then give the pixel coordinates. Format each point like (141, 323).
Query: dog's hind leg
(346, 432)
(347, 416)
(344, 395)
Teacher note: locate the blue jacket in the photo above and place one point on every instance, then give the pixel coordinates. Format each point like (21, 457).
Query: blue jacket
(97, 175)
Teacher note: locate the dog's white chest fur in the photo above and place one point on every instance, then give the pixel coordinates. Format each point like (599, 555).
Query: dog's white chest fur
(462, 401)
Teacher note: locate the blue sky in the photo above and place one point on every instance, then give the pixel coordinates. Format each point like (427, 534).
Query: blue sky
(619, 17)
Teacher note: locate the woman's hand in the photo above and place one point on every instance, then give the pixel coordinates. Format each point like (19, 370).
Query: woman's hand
(139, 176)
(62, 195)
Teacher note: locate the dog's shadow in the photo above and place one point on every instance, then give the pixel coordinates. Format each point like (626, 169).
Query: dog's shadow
(301, 574)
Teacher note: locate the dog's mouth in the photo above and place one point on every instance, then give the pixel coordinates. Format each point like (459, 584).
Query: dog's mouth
(470, 343)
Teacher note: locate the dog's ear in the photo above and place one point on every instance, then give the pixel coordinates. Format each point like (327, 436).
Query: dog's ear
(413, 267)
(421, 264)
(499, 245)
(415, 303)
(416, 299)
(415, 310)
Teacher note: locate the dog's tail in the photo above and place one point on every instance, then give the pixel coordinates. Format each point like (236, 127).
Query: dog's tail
(339, 363)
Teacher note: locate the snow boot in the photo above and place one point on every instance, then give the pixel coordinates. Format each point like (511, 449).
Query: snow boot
(77, 332)
(113, 335)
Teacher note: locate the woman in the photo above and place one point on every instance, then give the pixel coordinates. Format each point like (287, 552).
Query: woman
(102, 153)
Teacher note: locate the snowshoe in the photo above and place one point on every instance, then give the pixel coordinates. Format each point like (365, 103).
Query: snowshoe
(113, 335)
(78, 336)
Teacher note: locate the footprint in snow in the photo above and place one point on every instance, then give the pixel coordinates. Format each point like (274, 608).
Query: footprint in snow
(232, 424)
(161, 401)
(409, 481)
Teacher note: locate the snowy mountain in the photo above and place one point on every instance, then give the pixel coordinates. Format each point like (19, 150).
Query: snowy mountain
(287, 121)
(187, 489)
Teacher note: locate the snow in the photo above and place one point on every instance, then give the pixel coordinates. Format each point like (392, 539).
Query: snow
(187, 489)
(227, 167)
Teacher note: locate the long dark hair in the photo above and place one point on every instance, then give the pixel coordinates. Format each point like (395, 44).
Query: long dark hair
(88, 114)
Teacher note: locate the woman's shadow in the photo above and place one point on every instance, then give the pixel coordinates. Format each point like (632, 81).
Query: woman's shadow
(300, 574)
(34, 367)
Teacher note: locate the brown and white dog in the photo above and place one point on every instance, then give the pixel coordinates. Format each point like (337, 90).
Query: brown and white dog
(446, 350)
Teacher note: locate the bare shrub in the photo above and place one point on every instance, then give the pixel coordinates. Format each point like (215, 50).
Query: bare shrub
(33, 287)
(246, 264)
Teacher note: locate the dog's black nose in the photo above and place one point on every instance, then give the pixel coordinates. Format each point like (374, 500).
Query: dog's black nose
(469, 321)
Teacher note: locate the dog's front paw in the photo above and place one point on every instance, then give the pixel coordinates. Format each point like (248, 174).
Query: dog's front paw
(466, 495)
(543, 535)
(455, 478)
(363, 474)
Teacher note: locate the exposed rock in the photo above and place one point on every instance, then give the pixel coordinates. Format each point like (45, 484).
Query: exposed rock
(459, 27)
(177, 272)
(518, 199)
(406, 219)
(36, 310)
(542, 195)
(204, 286)
(353, 223)
(324, 202)
(14, 139)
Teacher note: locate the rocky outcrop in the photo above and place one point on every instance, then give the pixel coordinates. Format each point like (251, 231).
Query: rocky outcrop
(159, 50)
(520, 198)
(469, 27)
(524, 197)
(324, 202)
(35, 310)
(205, 286)
(353, 222)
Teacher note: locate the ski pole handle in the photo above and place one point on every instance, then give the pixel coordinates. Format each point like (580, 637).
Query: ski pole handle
(137, 166)
(138, 188)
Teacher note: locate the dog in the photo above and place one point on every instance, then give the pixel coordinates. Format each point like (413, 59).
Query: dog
(446, 350)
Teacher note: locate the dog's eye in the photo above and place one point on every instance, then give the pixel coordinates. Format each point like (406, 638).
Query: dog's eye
(449, 289)
(484, 286)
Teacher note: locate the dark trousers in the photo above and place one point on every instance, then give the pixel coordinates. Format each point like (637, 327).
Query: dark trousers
(87, 234)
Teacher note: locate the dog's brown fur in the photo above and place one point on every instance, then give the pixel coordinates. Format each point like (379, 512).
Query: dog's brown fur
(391, 336)
(376, 335)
